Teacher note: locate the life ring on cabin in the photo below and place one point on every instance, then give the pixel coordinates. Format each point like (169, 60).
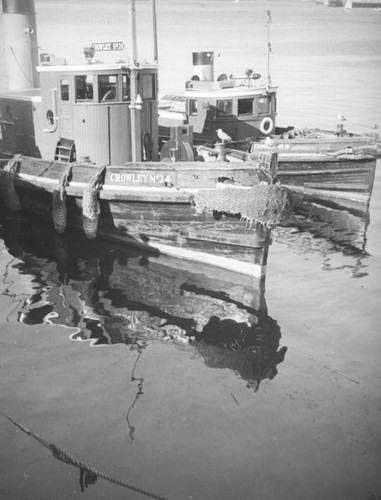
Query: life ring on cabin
(266, 125)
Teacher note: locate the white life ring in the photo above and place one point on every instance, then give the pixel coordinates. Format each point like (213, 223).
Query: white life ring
(266, 125)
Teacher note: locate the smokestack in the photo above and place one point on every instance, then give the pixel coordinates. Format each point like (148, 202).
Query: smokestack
(203, 66)
(20, 43)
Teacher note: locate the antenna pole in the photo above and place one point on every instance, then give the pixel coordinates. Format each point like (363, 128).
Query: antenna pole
(155, 51)
(269, 50)
(134, 49)
(134, 110)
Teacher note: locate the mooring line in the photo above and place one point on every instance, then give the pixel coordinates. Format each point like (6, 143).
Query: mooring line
(90, 473)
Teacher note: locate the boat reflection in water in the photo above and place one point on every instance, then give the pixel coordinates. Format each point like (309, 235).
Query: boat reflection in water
(112, 295)
(316, 227)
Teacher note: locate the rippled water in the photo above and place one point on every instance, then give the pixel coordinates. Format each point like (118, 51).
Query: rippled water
(178, 381)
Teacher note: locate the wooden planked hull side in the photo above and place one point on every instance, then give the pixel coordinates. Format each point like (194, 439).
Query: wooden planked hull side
(324, 145)
(171, 227)
(357, 174)
(186, 175)
(348, 183)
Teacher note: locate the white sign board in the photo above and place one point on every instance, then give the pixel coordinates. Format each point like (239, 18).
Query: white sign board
(104, 46)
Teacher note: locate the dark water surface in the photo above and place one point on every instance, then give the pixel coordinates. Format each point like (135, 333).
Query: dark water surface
(175, 379)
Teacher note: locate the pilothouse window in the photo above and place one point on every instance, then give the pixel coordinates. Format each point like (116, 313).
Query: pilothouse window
(224, 107)
(245, 107)
(264, 105)
(148, 86)
(126, 88)
(107, 87)
(84, 87)
(193, 107)
(65, 90)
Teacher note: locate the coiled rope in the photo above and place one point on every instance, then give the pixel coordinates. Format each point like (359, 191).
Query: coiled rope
(90, 204)
(89, 473)
(59, 201)
(7, 186)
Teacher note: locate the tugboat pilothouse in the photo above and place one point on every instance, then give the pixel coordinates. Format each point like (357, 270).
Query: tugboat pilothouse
(98, 111)
(242, 105)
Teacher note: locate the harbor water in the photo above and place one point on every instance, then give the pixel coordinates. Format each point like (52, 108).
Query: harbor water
(102, 361)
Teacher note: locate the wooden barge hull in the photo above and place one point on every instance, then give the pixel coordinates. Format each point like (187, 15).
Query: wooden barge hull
(153, 216)
(339, 170)
(345, 183)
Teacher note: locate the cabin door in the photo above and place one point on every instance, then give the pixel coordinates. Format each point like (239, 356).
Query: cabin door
(66, 99)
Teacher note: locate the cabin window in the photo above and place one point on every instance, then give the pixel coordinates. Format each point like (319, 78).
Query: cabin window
(65, 96)
(84, 87)
(148, 86)
(264, 105)
(193, 107)
(245, 106)
(126, 92)
(107, 88)
(273, 103)
(224, 107)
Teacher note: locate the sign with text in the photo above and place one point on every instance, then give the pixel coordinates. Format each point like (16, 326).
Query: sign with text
(139, 178)
(104, 46)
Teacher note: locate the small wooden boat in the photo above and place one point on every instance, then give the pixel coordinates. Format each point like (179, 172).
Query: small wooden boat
(84, 150)
(339, 171)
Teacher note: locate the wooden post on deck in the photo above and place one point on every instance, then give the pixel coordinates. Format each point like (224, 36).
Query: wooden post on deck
(136, 146)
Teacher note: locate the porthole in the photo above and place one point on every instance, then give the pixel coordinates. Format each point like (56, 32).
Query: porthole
(50, 117)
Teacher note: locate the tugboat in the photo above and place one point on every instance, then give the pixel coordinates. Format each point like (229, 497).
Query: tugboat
(336, 167)
(80, 147)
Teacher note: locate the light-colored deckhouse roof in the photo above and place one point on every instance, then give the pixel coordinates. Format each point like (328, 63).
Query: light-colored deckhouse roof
(232, 92)
(92, 68)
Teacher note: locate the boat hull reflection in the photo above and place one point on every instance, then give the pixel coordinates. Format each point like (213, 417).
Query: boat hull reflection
(111, 295)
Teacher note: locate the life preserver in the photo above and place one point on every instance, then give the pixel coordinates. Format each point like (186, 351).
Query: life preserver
(266, 125)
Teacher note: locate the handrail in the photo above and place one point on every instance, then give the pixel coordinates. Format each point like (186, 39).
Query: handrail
(52, 129)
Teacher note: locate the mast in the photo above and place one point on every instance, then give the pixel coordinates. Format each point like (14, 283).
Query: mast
(269, 50)
(154, 29)
(134, 106)
(134, 49)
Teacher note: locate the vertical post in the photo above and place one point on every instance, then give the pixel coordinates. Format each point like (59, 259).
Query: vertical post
(134, 50)
(136, 147)
(136, 141)
(155, 50)
(268, 48)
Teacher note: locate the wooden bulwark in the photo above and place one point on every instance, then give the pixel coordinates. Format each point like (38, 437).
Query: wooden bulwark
(151, 206)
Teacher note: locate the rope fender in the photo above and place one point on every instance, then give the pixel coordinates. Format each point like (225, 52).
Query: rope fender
(59, 201)
(89, 473)
(265, 204)
(7, 186)
(90, 203)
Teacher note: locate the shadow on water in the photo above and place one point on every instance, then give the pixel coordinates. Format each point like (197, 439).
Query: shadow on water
(111, 295)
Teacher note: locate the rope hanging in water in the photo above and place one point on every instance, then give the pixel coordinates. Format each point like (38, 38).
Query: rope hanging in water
(87, 473)
(90, 204)
(59, 201)
(10, 196)
(266, 204)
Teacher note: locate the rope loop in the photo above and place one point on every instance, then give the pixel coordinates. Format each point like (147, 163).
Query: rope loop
(10, 196)
(90, 203)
